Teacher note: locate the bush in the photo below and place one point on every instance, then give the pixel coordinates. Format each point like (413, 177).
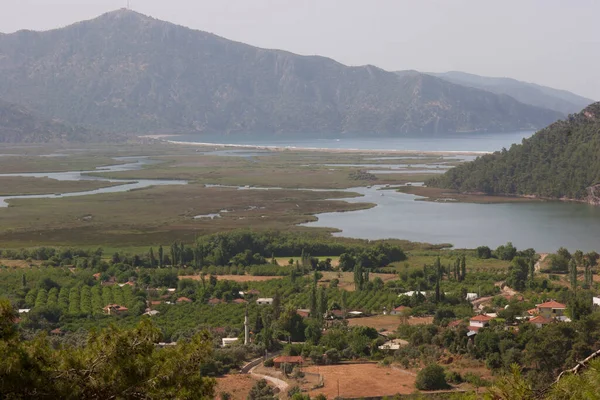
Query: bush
(484, 252)
(432, 377)
(261, 391)
(454, 377)
(269, 363)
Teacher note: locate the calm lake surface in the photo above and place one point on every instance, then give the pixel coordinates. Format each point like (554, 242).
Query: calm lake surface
(544, 226)
(483, 142)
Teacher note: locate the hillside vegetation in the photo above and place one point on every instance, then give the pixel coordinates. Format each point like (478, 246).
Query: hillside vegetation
(18, 124)
(125, 72)
(560, 161)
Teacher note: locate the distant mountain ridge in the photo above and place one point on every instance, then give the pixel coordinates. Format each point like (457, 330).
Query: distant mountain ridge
(125, 72)
(561, 161)
(529, 93)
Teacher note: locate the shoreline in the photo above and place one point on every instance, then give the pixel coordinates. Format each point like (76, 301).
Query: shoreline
(164, 138)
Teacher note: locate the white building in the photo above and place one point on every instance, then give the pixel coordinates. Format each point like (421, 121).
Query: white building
(228, 341)
(264, 301)
(596, 301)
(412, 293)
(472, 296)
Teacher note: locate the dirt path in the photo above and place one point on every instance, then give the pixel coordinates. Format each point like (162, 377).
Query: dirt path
(538, 265)
(280, 384)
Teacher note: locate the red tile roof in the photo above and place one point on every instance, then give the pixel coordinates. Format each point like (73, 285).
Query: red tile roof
(303, 313)
(289, 359)
(552, 304)
(533, 311)
(214, 300)
(454, 324)
(401, 308)
(482, 318)
(115, 307)
(475, 328)
(239, 301)
(184, 300)
(540, 320)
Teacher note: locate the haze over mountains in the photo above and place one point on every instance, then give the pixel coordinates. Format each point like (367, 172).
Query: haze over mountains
(125, 72)
(528, 93)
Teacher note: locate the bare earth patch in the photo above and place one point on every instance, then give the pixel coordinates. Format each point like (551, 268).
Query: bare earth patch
(237, 385)
(235, 278)
(19, 263)
(362, 380)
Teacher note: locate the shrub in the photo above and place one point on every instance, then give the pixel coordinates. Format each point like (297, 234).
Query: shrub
(454, 377)
(261, 391)
(432, 377)
(269, 363)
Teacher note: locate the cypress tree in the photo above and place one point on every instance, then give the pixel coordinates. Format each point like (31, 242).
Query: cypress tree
(160, 256)
(463, 268)
(573, 274)
(152, 260)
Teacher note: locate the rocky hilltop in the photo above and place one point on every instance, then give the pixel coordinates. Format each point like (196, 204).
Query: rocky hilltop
(126, 72)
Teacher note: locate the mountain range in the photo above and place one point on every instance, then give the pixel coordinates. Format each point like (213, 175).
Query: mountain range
(124, 72)
(529, 93)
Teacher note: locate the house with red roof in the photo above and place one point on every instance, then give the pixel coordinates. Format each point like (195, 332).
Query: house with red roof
(401, 310)
(214, 301)
(551, 309)
(183, 300)
(478, 322)
(114, 309)
(294, 360)
(540, 321)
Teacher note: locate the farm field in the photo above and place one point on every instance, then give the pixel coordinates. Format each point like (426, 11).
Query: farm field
(238, 386)
(387, 322)
(363, 380)
(346, 279)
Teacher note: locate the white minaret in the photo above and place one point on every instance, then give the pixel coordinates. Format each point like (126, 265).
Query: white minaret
(246, 328)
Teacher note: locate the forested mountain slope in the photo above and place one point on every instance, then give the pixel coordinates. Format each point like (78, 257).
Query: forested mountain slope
(529, 93)
(125, 72)
(560, 161)
(19, 124)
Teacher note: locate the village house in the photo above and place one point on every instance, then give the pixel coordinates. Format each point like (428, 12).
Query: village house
(596, 301)
(294, 360)
(151, 313)
(471, 296)
(303, 313)
(478, 322)
(412, 293)
(540, 321)
(264, 301)
(401, 310)
(114, 309)
(552, 309)
(393, 345)
(183, 300)
(228, 341)
(214, 301)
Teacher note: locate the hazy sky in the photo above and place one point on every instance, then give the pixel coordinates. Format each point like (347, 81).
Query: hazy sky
(550, 42)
